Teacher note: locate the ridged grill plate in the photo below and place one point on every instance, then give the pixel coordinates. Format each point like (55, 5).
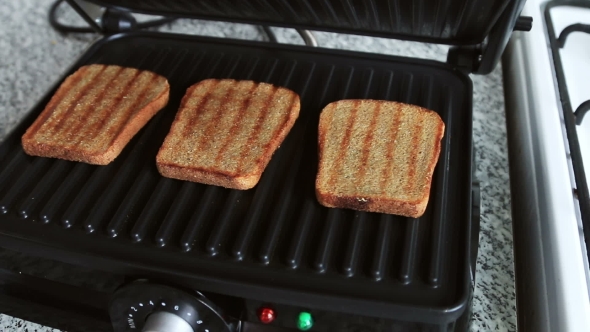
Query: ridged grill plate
(274, 242)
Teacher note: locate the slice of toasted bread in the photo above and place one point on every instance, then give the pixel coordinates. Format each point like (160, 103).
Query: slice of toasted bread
(95, 113)
(226, 132)
(377, 156)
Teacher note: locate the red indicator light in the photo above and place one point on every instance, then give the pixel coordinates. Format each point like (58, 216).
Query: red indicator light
(266, 315)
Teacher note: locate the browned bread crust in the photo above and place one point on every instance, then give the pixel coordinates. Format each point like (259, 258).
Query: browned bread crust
(377, 156)
(95, 113)
(226, 131)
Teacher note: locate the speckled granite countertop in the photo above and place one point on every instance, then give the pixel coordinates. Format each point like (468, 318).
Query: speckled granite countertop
(33, 57)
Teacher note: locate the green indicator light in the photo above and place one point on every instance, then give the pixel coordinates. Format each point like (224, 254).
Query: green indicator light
(304, 321)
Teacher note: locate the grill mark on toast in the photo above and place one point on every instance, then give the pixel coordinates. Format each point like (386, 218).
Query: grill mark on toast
(54, 102)
(282, 126)
(262, 115)
(345, 143)
(74, 103)
(117, 101)
(236, 123)
(98, 128)
(169, 141)
(326, 118)
(80, 135)
(367, 145)
(278, 129)
(416, 134)
(181, 131)
(322, 134)
(396, 122)
(193, 119)
(210, 129)
(203, 101)
(128, 113)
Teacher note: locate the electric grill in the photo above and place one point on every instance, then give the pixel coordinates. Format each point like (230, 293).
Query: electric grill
(122, 248)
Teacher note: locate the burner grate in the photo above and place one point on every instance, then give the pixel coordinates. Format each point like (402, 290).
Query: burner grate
(571, 118)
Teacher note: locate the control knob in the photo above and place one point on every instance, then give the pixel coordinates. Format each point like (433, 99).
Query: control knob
(150, 307)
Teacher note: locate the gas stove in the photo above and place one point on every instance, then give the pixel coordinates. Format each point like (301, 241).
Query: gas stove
(549, 141)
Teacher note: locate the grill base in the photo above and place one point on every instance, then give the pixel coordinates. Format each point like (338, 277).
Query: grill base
(274, 242)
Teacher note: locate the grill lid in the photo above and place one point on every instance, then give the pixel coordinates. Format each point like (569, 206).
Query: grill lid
(457, 22)
(479, 29)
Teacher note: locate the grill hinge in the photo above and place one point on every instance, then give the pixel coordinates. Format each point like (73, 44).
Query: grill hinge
(465, 58)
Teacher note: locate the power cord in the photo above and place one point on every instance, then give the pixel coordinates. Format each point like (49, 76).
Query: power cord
(112, 21)
(60, 27)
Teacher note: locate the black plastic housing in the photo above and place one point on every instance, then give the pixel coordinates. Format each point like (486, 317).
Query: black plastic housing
(273, 243)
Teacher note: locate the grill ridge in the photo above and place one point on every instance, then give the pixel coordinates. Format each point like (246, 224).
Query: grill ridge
(440, 204)
(32, 173)
(159, 198)
(5, 150)
(351, 13)
(463, 12)
(202, 211)
(175, 214)
(381, 245)
(330, 9)
(406, 272)
(351, 257)
(394, 14)
(74, 179)
(89, 192)
(309, 11)
(16, 159)
(373, 16)
(230, 209)
(288, 9)
(128, 208)
(54, 176)
(441, 18)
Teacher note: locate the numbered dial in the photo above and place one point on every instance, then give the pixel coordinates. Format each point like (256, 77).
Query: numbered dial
(144, 306)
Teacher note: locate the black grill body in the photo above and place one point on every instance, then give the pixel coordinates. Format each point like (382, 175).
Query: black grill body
(273, 244)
